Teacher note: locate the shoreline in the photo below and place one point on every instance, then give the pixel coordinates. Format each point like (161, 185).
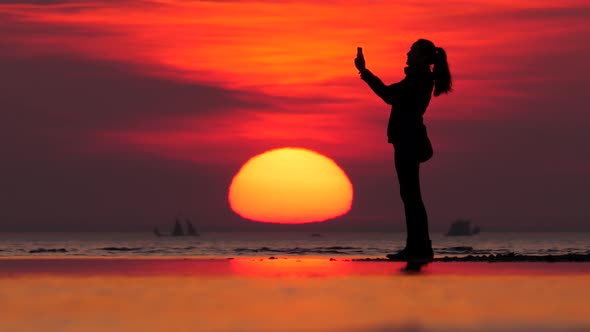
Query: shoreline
(491, 258)
(510, 257)
(269, 267)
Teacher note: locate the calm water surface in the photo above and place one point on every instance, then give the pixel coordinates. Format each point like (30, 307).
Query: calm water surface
(236, 244)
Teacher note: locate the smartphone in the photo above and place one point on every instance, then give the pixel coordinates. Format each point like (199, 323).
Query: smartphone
(359, 51)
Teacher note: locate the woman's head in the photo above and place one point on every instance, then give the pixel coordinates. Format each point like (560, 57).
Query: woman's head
(423, 52)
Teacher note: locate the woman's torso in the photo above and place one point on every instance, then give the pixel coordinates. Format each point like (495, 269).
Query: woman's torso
(413, 94)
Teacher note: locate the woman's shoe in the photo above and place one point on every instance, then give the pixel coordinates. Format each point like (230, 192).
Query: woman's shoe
(400, 256)
(414, 254)
(422, 255)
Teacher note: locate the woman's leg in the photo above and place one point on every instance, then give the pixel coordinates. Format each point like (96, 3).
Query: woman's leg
(408, 174)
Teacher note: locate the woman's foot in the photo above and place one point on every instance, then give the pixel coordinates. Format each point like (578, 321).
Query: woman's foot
(400, 256)
(417, 254)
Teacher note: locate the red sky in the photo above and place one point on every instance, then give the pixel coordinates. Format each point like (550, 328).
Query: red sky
(117, 115)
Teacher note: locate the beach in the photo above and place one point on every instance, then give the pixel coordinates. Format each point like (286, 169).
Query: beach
(289, 294)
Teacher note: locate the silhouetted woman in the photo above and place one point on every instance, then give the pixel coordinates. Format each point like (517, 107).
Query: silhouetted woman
(409, 99)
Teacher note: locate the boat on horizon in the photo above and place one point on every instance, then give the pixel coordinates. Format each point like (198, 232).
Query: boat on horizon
(178, 230)
(462, 227)
(190, 229)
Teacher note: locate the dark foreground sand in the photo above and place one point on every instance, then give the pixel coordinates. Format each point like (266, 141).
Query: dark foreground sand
(294, 294)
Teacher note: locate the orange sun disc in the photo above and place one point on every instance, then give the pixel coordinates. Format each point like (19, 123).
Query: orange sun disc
(290, 186)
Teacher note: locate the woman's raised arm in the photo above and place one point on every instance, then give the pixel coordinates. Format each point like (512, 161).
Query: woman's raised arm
(385, 92)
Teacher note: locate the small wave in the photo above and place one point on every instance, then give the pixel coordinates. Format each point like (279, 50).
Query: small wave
(464, 248)
(41, 250)
(338, 250)
(458, 250)
(511, 257)
(148, 250)
(261, 249)
(118, 249)
(153, 251)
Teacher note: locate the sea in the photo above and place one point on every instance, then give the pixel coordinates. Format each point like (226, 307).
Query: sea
(284, 244)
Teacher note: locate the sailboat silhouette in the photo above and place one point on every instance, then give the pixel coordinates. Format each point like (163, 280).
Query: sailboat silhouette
(190, 229)
(177, 229)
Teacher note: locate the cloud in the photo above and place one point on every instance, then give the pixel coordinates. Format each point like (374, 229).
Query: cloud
(104, 96)
(76, 98)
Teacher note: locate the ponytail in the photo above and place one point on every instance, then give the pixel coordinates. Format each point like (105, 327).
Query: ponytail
(442, 75)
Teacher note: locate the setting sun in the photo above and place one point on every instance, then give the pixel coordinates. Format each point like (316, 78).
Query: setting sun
(290, 186)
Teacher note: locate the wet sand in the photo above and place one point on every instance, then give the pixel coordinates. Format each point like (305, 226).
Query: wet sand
(294, 294)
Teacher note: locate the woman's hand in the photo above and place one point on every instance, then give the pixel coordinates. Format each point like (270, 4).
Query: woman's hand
(359, 62)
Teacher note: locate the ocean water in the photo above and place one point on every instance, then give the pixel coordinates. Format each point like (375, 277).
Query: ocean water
(266, 244)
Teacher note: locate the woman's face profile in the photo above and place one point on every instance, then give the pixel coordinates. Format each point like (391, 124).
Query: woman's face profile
(414, 56)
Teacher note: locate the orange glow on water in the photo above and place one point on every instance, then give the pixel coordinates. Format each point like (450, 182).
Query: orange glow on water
(291, 267)
(291, 186)
(273, 295)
